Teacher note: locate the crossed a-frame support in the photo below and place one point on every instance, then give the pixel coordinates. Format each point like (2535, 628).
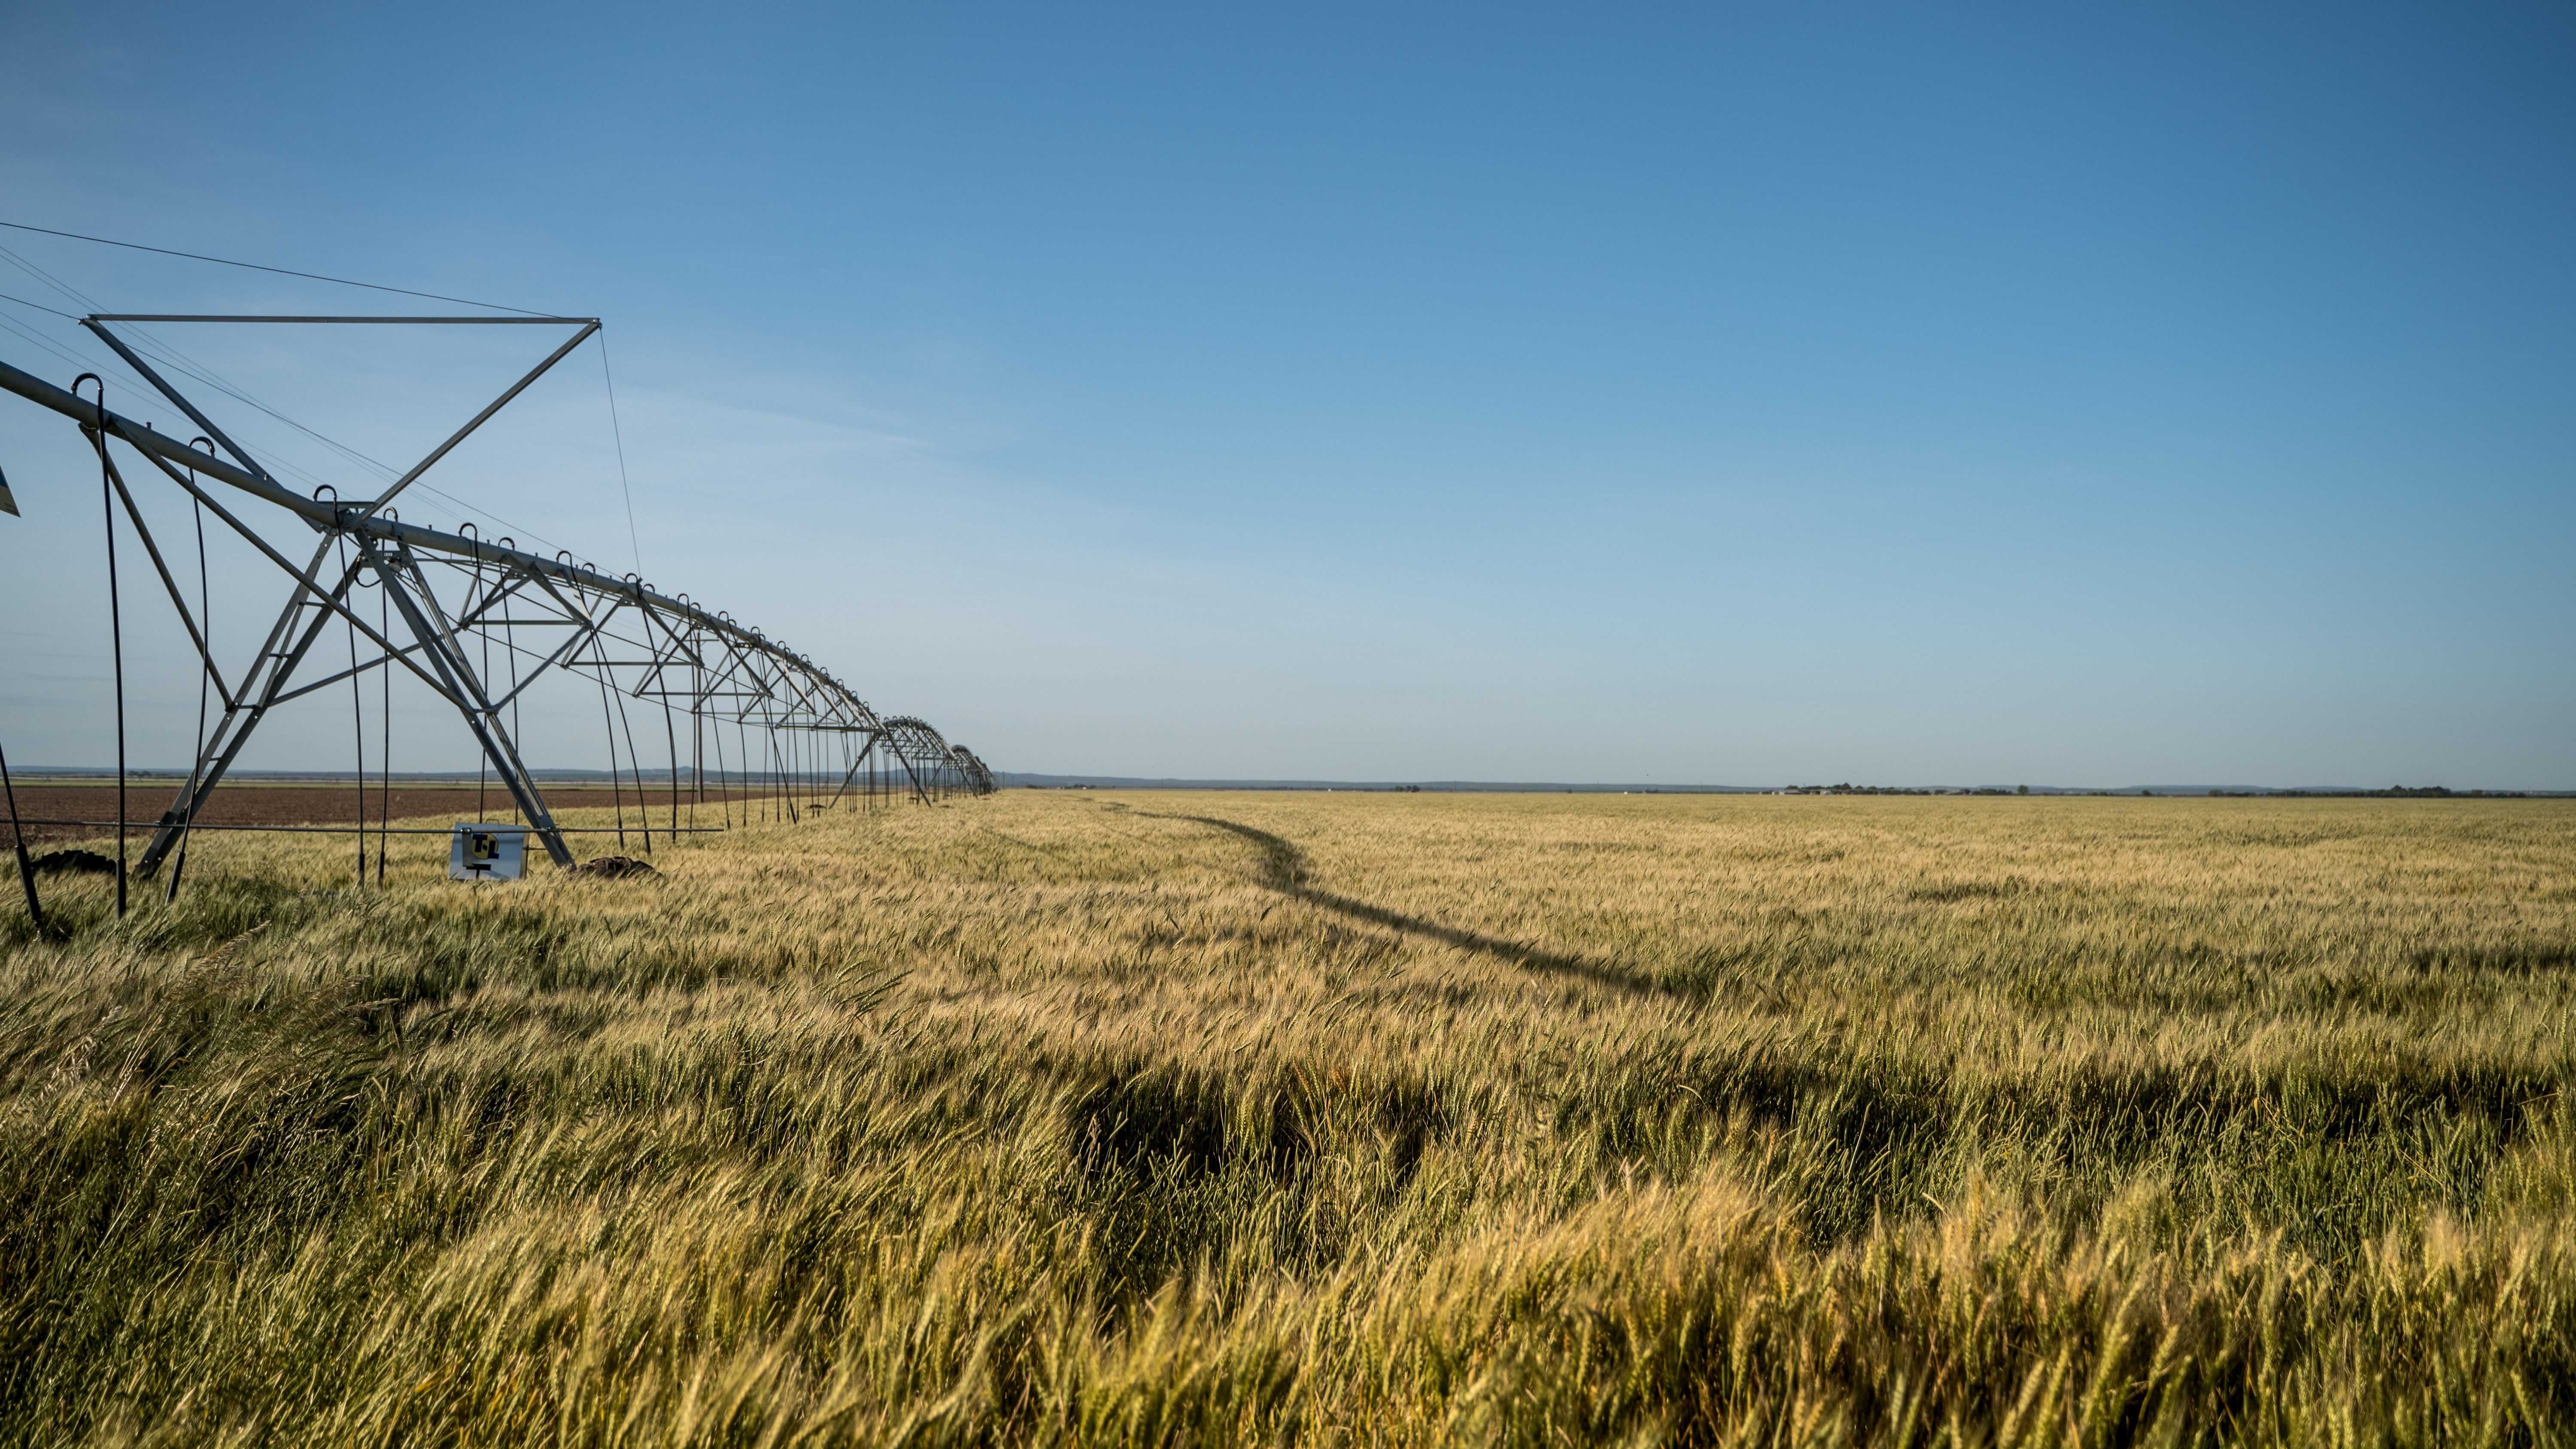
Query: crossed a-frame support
(449, 675)
(309, 609)
(751, 680)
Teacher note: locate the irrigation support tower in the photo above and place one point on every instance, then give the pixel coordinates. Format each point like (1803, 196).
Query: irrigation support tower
(458, 598)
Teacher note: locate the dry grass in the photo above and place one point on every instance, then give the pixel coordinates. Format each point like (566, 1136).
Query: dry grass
(1346, 1119)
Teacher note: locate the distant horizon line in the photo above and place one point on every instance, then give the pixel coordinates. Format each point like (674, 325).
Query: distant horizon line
(650, 779)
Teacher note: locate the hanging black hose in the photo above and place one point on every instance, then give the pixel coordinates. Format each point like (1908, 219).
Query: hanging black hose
(777, 766)
(634, 761)
(787, 783)
(479, 598)
(483, 762)
(671, 742)
(205, 676)
(115, 618)
(635, 765)
(608, 727)
(671, 738)
(723, 802)
(18, 836)
(697, 733)
(510, 651)
(357, 693)
(385, 756)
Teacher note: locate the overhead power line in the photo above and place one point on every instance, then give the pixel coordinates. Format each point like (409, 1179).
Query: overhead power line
(39, 306)
(161, 351)
(619, 433)
(257, 267)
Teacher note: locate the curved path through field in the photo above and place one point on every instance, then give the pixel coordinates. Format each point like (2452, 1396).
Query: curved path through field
(1283, 869)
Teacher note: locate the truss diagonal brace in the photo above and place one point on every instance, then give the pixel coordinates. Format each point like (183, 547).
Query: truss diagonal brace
(467, 695)
(441, 451)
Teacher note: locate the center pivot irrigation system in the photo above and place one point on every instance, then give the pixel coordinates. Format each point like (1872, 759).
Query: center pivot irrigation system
(479, 621)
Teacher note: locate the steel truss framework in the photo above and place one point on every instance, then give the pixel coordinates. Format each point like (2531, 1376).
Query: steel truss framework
(481, 621)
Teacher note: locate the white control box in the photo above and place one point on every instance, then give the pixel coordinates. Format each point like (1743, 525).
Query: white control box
(487, 852)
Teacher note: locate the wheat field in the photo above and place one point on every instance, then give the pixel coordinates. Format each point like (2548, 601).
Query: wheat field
(1165, 1118)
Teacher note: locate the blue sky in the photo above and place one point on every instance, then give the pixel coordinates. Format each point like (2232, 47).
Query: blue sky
(1747, 395)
